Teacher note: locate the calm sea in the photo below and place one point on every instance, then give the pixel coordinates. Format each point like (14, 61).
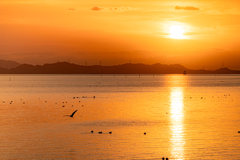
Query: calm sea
(183, 117)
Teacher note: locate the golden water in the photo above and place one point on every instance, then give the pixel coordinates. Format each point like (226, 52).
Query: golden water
(184, 117)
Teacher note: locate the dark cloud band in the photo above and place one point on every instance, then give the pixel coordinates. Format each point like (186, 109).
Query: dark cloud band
(191, 8)
(97, 9)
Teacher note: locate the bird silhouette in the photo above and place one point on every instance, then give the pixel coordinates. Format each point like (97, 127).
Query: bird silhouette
(73, 113)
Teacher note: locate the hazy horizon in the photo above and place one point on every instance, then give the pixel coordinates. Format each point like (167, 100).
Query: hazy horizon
(195, 34)
(8, 64)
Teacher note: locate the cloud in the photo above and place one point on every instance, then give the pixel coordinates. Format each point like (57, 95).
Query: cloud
(97, 9)
(72, 9)
(120, 9)
(117, 9)
(190, 8)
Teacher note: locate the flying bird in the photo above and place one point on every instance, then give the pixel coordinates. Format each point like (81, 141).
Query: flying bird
(73, 113)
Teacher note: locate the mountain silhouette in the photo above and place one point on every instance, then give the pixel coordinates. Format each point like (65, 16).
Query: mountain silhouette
(8, 64)
(70, 68)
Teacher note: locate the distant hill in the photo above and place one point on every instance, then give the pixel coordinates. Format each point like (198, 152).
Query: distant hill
(8, 64)
(70, 68)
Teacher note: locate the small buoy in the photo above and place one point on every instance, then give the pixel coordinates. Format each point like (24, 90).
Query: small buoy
(144, 133)
(91, 131)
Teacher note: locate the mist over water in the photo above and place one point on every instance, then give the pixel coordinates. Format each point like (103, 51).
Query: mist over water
(183, 116)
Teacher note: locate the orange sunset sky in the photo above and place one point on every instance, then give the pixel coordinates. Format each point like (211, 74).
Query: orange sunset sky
(196, 34)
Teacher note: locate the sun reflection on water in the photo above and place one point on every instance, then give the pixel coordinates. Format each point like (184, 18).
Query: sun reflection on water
(177, 126)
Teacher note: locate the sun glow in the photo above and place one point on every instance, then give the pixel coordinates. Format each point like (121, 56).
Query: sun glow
(177, 119)
(176, 32)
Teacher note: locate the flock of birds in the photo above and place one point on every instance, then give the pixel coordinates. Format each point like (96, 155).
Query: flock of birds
(11, 102)
(73, 113)
(225, 96)
(101, 132)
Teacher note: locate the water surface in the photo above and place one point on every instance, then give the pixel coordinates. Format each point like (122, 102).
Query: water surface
(184, 116)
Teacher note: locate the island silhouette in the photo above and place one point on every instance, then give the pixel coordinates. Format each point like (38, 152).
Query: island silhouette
(128, 68)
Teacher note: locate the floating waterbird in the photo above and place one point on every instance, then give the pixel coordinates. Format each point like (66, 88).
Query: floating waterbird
(144, 133)
(110, 132)
(100, 132)
(238, 131)
(91, 131)
(73, 113)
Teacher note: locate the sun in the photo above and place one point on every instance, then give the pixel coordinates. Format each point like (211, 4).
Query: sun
(176, 32)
